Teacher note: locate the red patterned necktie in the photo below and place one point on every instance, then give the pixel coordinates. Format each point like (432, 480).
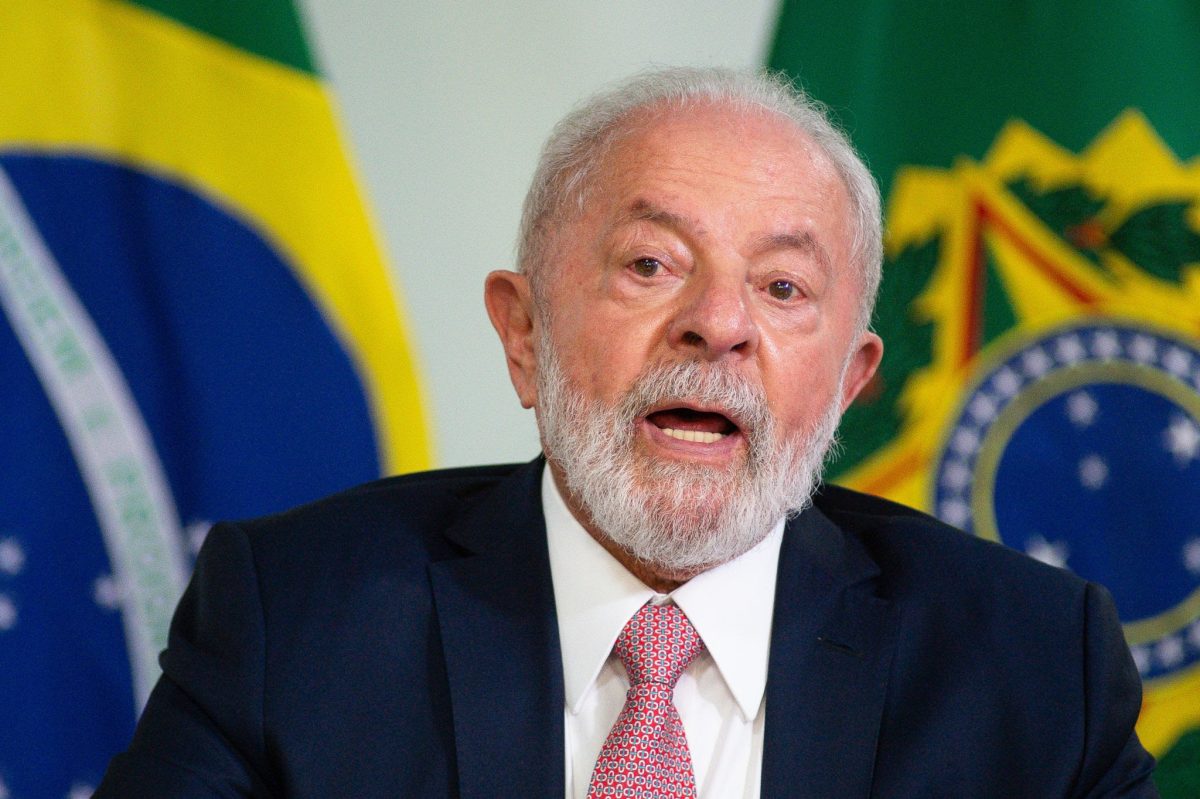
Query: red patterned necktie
(646, 754)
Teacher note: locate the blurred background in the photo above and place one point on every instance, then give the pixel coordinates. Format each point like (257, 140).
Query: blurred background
(242, 248)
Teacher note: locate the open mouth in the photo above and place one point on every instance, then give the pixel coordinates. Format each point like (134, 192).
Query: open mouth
(689, 424)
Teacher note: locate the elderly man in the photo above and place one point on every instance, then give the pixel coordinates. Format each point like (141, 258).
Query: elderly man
(667, 605)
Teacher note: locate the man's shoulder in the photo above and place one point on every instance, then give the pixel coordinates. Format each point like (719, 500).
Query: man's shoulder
(404, 514)
(838, 501)
(919, 555)
(410, 492)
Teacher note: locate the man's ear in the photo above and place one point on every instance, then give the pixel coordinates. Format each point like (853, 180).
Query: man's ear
(863, 363)
(509, 301)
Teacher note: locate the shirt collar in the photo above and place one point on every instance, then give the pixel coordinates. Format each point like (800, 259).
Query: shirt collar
(731, 606)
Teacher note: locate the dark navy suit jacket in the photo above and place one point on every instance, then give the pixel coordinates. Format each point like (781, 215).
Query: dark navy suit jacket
(399, 640)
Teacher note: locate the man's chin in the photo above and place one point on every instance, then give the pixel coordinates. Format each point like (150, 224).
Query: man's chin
(685, 548)
(692, 502)
(676, 472)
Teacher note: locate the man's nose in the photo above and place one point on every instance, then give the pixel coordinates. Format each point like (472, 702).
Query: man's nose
(715, 318)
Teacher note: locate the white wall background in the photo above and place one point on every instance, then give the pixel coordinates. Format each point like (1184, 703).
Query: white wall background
(445, 105)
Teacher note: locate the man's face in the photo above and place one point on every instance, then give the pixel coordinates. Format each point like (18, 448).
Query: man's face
(710, 238)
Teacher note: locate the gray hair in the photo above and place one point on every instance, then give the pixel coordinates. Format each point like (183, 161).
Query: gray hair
(579, 143)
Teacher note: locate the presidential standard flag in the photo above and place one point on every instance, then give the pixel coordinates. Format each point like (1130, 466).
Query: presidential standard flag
(196, 324)
(1041, 294)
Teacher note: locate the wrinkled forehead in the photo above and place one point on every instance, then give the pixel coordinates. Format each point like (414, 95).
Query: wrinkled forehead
(757, 154)
(736, 133)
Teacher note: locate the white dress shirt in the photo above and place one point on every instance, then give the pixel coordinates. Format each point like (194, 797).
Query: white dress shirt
(719, 696)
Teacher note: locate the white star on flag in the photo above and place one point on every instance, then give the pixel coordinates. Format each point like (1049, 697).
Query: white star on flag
(1051, 553)
(956, 476)
(81, 791)
(1069, 349)
(106, 592)
(1183, 440)
(1142, 349)
(956, 512)
(1036, 363)
(1106, 344)
(1007, 382)
(1170, 652)
(983, 409)
(1178, 362)
(1191, 556)
(965, 441)
(1093, 472)
(1141, 657)
(12, 557)
(1082, 409)
(8, 613)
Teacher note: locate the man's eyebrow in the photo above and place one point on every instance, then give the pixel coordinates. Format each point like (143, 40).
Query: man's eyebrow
(801, 240)
(642, 210)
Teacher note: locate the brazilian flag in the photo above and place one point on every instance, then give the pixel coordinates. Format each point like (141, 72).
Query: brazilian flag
(1041, 294)
(195, 323)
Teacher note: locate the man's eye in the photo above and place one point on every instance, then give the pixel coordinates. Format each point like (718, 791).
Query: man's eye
(782, 289)
(646, 267)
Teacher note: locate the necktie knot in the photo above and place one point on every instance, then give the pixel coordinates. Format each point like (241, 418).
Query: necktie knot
(657, 644)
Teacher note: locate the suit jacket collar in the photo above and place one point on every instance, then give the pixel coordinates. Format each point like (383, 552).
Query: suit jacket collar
(832, 643)
(495, 612)
(831, 650)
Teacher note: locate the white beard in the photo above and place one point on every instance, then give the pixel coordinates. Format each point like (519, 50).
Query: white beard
(681, 518)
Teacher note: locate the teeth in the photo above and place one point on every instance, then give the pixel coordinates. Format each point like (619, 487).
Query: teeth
(693, 435)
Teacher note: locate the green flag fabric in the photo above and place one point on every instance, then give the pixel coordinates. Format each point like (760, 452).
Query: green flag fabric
(1041, 294)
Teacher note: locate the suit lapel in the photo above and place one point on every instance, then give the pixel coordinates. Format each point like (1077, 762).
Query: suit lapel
(495, 611)
(832, 642)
